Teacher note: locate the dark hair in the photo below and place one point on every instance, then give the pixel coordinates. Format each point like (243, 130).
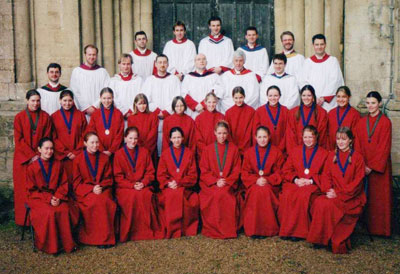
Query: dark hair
(138, 98)
(176, 129)
(280, 56)
(124, 56)
(274, 87)
(44, 140)
(179, 23)
(91, 46)
(65, 93)
(160, 56)
(222, 123)
(345, 89)
(263, 128)
(312, 90)
(376, 95)
(318, 36)
(175, 101)
(106, 90)
(32, 92)
(214, 18)
(140, 33)
(347, 131)
(88, 135)
(312, 129)
(131, 129)
(287, 33)
(238, 90)
(251, 28)
(210, 94)
(53, 65)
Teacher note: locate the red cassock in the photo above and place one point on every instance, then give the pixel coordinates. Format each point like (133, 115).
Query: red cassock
(278, 132)
(66, 141)
(147, 123)
(205, 123)
(377, 157)
(26, 144)
(52, 224)
(350, 120)
(139, 208)
(111, 142)
(181, 205)
(294, 201)
(186, 123)
(335, 219)
(220, 206)
(240, 121)
(294, 129)
(261, 204)
(98, 211)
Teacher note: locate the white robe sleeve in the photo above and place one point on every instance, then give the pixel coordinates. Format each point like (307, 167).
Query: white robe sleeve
(190, 54)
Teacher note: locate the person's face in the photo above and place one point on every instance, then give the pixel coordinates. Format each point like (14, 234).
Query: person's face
(92, 144)
(200, 61)
(221, 133)
(279, 66)
(132, 139)
(46, 151)
(251, 37)
(238, 63)
(176, 139)
(262, 138)
(54, 74)
(319, 47)
(125, 66)
(141, 106)
(66, 102)
(179, 107)
(141, 41)
(307, 98)
(342, 99)
(91, 56)
(34, 103)
(287, 42)
(309, 139)
(215, 27)
(372, 104)
(162, 64)
(238, 99)
(343, 141)
(179, 32)
(273, 97)
(106, 99)
(211, 103)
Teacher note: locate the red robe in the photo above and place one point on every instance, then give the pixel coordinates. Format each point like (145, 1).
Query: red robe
(377, 157)
(26, 144)
(240, 121)
(181, 205)
(147, 123)
(294, 201)
(186, 123)
(294, 129)
(205, 124)
(65, 142)
(98, 211)
(261, 204)
(139, 208)
(350, 120)
(220, 206)
(278, 135)
(113, 141)
(335, 219)
(52, 224)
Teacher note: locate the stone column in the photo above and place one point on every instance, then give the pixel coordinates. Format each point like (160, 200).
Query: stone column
(87, 24)
(127, 25)
(314, 22)
(117, 32)
(108, 35)
(334, 28)
(146, 10)
(280, 22)
(294, 14)
(98, 31)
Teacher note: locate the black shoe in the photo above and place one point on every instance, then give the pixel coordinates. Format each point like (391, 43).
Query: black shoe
(258, 237)
(285, 238)
(104, 246)
(295, 239)
(318, 246)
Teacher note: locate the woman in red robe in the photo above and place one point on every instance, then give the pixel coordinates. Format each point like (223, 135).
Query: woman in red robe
(219, 199)
(205, 123)
(274, 116)
(308, 113)
(261, 175)
(182, 120)
(335, 212)
(240, 119)
(177, 175)
(374, 142)
(108, 123)
(93, 191)
(301, 174)
(145, 121)
(69, 125)
(343, 115)
(30, 125)
(134, 173)
(51, 215)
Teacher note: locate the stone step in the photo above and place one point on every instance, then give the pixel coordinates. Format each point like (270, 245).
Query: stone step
(12, 106)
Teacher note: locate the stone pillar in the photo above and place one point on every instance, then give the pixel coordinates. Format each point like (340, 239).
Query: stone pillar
(117, 33)
(98, 31)
(146, 10)
(314, 22)
(108, 35)
(334, 28)
(280, 22)
(295, 11)
(87, 24)
(127, 25)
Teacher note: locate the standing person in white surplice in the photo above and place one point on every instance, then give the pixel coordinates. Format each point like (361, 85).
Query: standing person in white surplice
(143, 58)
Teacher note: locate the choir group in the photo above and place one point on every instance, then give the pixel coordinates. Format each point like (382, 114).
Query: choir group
(218, 141)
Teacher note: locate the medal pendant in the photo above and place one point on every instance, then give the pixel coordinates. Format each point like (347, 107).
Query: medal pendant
(260, 172)
(177, 170)
(107, 132)
(306, 171)
(220, 174)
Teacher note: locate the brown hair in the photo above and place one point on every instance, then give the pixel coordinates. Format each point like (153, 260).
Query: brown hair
(312, 90)
(287, 33)
(139, 98)
(211, 94)
(344, 131)
(222, 123)
(131, 129)
(125, 56)
(90, 46)
(311, 129)
(175, 101)
(264, 129)
(238, 90)
(88, 135)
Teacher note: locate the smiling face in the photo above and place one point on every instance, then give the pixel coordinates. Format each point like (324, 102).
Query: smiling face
(141, 106)
(287, 42)
(131, 139)
(273, 97)
(372, 105)
(279, 66)
(179, 33)
(319, 47)
(106, 100)
(91, 56)
(262, 138)
(92, 144)
(200, 61)
(342, 99)
(215, 27)
(307, 98)
(47, 150)
(251, 37)
(309, 139)
(162, 65)
(141, 41)
(211, 103)
(179, 107)
(33, 103)
(54, 75)
(238, 99)
(176, 139)
(66, 102)
(221, 133)
(125, 66)
(343, 142)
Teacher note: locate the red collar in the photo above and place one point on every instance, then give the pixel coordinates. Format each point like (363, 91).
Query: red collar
(96, 66)
(146, 53)
(181, 42)
(219, 38)
(127, 78)
(316, 60)
(53, 88)
(161, 77)
(243, 72)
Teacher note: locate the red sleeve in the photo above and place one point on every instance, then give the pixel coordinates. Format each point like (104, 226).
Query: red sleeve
(355, 186)
(153, 133)
(381, 155)
(191, 103)
(92, 124)
(165, 134)
(149, 172)
(207, 177)
(62, 189)
(328, 99)
(249, 177)
(289, 171)
(275, 177)
(84, 125)
(119, 136)
(106, 180)
(190, 176)
(163, 176)
(119, 175)
(291, 133)
(234, 173)
(258, 78)
(165, 113)
(325, 183)
(323, 128)
(20, 143)
(82, 187)
(34, 191)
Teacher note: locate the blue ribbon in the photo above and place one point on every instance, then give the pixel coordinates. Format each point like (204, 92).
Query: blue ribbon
(107, 125)
(68, 123)
(340, 120)
(177, 163)
(343, 168)
(276, 120)
(307, 165)
(259, 165)
(305, 123)
(93, 172)
(46, 176)
(133, 163)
